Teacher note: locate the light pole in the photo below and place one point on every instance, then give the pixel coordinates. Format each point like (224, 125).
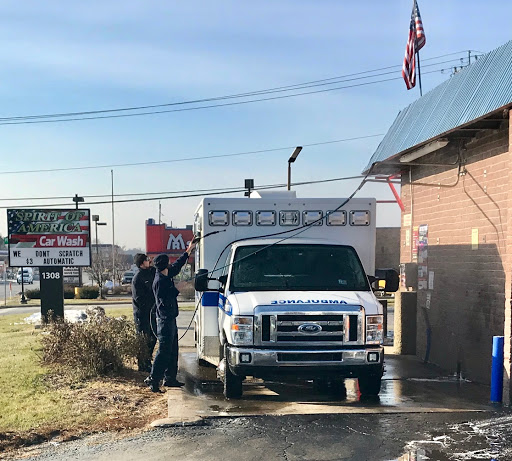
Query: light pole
(96, 219)
(78, 200)
(292, 159)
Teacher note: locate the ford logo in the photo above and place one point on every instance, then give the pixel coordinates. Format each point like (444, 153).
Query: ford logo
(310, 328)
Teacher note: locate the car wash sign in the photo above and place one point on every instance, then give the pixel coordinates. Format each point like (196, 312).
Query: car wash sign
(49, 237)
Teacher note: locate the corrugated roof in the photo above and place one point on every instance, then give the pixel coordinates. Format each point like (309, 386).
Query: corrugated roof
(477, 90)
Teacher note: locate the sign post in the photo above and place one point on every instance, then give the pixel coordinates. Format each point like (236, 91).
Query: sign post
(49, 239)
(3, 274)
(52, 292)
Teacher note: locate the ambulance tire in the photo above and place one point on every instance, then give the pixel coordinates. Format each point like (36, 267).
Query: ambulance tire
(232, 383)
(370, 385)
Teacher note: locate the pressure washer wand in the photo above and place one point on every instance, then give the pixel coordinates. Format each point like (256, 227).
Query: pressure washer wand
(196, 239)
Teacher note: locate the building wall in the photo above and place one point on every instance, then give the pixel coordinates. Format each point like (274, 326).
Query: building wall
(387, 248)
(468, 251)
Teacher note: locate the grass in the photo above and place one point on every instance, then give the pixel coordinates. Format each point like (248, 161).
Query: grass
(28, 399)
(38, 405)
(25, 400)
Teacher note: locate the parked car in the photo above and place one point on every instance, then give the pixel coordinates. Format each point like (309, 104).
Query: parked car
(127, 277)
(27, 276)
(109, 285)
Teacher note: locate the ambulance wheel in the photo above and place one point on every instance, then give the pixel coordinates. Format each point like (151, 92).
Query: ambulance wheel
(232, 383)
(370, 385)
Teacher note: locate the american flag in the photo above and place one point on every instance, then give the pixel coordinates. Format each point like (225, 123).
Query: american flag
(415, 42)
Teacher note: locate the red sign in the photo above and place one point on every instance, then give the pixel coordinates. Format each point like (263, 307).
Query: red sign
(163, 239)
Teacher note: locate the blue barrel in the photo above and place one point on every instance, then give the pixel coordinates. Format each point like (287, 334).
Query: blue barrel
(497, 369)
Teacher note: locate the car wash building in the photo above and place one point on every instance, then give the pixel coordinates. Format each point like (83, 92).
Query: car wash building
(452, 149)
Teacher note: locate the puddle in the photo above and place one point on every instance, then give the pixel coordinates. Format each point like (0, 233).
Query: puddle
(487, 439)
(422, 454)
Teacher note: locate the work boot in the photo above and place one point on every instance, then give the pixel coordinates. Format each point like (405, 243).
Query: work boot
(172, 383)
(152, 384)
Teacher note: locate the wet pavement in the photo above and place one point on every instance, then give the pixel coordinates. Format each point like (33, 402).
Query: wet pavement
(421, 414)
(326, 437)
(408, 386)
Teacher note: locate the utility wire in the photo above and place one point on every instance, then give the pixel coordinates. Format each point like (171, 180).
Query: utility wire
(156, 162)
(54, 118)
(226, 190)
(196, 193)
(312, 83)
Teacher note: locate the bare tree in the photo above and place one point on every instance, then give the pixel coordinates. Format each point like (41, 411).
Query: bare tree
(101, 268)
(123, 263)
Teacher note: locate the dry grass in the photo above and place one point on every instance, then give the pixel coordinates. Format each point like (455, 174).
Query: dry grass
(38, 406)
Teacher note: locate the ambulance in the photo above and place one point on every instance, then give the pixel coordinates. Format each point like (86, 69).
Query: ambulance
(284, 290)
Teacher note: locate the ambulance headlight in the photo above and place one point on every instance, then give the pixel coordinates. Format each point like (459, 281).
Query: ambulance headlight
(374, 329)
(242, 330)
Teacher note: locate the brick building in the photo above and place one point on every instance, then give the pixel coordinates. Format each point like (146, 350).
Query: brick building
(453, 151)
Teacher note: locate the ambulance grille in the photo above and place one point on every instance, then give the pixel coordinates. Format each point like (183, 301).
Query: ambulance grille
(303, 328)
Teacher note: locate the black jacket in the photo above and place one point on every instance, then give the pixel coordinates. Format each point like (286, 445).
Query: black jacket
(143, 299)
(165, 291)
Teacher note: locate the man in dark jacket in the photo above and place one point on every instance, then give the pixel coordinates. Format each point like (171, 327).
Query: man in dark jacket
(166, 360)
(143, 301)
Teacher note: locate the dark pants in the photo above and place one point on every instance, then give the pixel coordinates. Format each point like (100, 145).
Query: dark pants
(145, 324)
(166, 359)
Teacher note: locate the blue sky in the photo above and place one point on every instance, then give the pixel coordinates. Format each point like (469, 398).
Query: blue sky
(77, 56)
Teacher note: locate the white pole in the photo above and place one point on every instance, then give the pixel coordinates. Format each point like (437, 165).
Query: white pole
(113, 234)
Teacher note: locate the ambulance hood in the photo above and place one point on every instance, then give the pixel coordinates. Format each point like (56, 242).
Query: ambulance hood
(244, 303)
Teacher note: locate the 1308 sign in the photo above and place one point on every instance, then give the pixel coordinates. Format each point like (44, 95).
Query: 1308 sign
(50, 275)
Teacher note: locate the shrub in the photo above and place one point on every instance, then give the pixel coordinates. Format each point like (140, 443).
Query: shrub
(122, 290)
(33, 294)
(99, 347)
(36, 293)
(88, 292)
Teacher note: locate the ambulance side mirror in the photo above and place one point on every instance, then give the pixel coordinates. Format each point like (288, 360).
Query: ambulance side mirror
(201, 280)
(222, 281)
(391, 279)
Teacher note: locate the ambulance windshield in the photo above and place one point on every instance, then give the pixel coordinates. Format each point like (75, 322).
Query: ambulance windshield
(297, 268)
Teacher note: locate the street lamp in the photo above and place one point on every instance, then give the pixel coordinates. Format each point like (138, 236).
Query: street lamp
(292, 159)
(96, 219)
(23, 299)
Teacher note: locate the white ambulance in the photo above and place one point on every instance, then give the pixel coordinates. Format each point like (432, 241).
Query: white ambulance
(284, 290)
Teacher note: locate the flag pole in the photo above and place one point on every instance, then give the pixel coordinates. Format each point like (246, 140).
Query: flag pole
(416, 11)
(419, 72)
